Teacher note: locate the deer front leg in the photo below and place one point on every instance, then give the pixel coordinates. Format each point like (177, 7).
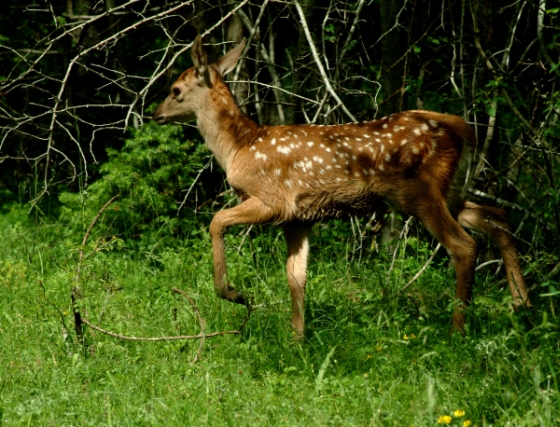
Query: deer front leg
(251, 211)
(297, 237)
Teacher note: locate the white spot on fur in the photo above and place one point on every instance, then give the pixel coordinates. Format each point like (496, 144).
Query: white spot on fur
(318, 159)
(287, 183)
(404, 141)
(381, 168)
(433, 123)
(418, 131)
(253, 148)
(278, 172)
(284, 150)
(273, 141)
(259, 155)
(387, 157)
(310, 143)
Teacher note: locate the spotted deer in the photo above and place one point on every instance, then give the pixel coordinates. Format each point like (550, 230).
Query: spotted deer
(296, 175)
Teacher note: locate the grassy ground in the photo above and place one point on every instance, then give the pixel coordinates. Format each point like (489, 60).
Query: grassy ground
(372, 356)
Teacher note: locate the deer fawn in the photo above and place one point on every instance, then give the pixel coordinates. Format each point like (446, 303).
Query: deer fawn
(299, 174)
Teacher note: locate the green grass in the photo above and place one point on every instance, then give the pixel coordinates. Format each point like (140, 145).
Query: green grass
(355, 367)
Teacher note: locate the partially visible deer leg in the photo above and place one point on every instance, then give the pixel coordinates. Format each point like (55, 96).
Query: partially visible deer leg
(297, 237)
(251, 211)
(460, 246)
(494, 222)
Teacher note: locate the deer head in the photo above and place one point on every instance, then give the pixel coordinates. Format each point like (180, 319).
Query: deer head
(188, 95)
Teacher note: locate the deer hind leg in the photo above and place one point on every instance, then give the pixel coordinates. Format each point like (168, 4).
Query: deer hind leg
(460, 246)
(297, 237)
(494, 222)
(251, 211)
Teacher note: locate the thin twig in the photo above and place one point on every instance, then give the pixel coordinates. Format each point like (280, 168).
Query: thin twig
(76, 293)
(424, 267)
(173, 337)
(201, 322)
(318, 62)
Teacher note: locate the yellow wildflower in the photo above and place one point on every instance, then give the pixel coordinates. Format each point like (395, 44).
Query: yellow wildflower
(444, 419)
(405, 336)
(412, 336)
(378, 348)
(458, 413)
(467, 423)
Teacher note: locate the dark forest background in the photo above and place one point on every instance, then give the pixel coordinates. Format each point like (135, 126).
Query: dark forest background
(79, 79)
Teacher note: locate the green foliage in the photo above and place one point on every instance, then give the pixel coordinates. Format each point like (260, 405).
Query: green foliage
(372, 356)
(150, 174)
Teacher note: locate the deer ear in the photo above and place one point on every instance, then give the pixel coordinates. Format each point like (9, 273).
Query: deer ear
(199, 57)
(227, 62)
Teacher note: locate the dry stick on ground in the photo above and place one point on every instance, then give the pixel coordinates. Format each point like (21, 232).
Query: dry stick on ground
(79, 320)
(173, 337)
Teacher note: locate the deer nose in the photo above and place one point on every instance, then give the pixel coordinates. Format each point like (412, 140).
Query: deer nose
(158, 118)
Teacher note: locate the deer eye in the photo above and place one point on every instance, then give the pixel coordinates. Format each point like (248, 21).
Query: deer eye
(176, 91)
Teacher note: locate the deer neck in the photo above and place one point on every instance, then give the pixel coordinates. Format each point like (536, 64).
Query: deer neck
(223, 125)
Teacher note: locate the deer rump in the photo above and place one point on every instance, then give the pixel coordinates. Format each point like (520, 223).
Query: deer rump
(296, 175)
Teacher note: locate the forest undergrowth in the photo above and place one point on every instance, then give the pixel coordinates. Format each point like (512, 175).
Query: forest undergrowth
(372, 355)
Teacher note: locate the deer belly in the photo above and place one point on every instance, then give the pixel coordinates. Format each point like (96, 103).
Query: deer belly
(325, 205)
